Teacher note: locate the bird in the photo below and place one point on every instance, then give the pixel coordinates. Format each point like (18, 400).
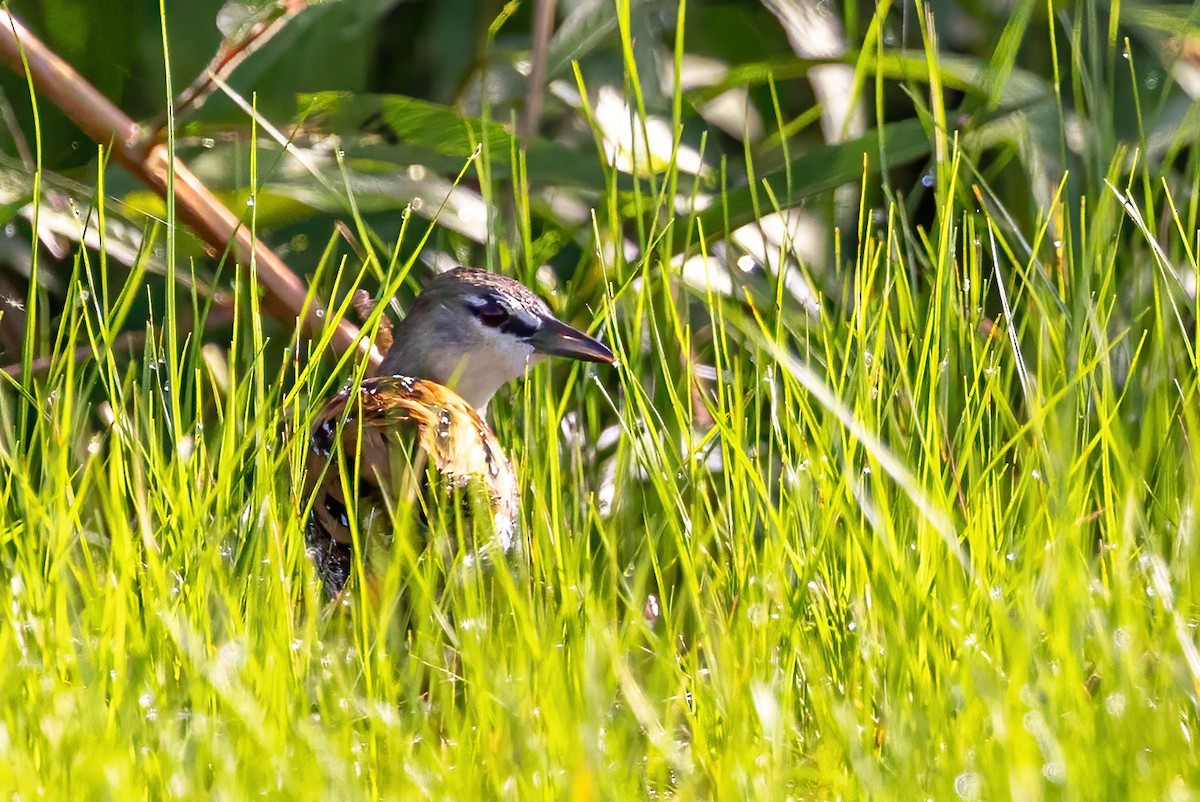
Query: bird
(417, 429)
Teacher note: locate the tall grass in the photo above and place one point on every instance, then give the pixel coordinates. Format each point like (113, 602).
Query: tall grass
(937, 542)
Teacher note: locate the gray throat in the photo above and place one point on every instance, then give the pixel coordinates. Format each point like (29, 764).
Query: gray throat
(422, 356)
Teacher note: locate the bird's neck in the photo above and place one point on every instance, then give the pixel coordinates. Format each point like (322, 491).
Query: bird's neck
(419, 356)
(408, 355)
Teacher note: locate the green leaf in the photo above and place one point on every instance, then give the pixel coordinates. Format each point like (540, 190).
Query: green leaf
(443, 132)
(92, 37)
(817, 171)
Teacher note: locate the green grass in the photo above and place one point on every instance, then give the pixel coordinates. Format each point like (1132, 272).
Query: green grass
(949, 549)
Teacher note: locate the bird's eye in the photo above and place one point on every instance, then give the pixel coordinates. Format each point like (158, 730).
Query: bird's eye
(492, 314)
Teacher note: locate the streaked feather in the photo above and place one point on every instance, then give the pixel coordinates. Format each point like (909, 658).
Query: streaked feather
(409, 437)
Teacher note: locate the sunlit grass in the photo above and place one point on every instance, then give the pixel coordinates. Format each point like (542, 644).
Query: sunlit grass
(938, 541)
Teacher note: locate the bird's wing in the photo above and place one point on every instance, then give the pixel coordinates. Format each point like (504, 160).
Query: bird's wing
(393, 428)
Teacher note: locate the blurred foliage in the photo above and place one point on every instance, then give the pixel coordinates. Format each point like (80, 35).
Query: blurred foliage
(382, 104)
(94, 38)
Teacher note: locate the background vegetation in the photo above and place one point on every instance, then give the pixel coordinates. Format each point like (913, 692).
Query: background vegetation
(892, 493)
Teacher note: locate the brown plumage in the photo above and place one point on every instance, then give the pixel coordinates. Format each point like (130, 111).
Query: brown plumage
(399, 428)
(414, 438)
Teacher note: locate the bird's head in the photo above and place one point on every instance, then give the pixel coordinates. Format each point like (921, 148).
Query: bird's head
(473, 331)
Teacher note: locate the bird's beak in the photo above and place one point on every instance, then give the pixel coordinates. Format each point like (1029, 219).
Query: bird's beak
(556, 338)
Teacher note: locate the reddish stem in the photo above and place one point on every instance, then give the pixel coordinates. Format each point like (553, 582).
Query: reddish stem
(153, 165)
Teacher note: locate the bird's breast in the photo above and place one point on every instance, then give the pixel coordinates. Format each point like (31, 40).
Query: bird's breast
(375, 450)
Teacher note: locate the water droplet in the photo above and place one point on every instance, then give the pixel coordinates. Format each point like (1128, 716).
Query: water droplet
(968, 785)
